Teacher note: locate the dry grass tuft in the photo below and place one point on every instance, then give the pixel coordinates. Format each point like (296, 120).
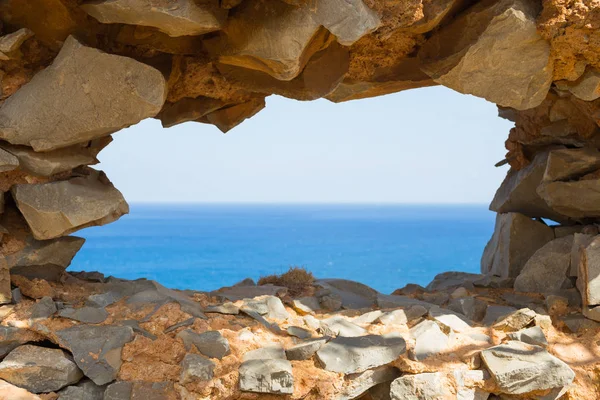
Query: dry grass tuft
(297, 279)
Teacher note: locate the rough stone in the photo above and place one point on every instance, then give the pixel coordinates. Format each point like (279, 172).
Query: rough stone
(516, 238)
(11, 338)
(196, 368)
(87, 315)
(340, 326)
(13, 41)
(103, 299)
(8, 161)
(188, 18)
(5, 288)
(266, 376)
(306, 305)
(96, 349)
(351, 355)
(13, 392)
(520, 368)
(59, 208)
(230, 116)
(353, 295)
(471, 307)
(494, 313)
(450, 319)
(298, 332)
(39, 369)
(44, 308)
(589, 273)
(226, 309)
(578, 323)
(587, 87)
(548, 269)
(212, 344)
(566, 164)
(357, 384)
(396, 317)
(55, 109)
(516, 320)
(533, 335)
(84, 390)
(304, 350)
(429, 340)
(580, 241)
(574, 199)
(236, 293)
(493, 36)
(428, 386)
(140, 390)
(451, 280)
(274, 352)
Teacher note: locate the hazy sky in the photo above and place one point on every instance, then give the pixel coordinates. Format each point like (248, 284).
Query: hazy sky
(429, 145)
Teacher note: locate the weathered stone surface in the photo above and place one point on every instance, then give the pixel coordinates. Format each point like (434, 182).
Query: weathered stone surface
(196, 368)
(577, 200)
(13, 392)
(266, 376)
(188, 109)
(12, 41)
(516, 238)
(39, 369)
(589, 273)
(306, 305)
(103, 299)
(533, 335)
(586, 88)
(565, 164)
(8, 161)
(520, 368)
(46, 259)
(368, 318)
(429, 340)
(5, 288)
(592, 313)
(516, 320)
(229, 117)
(88, 315)
(274, 352)
(96, 349)
(351, 355)
(58, 208)
(451, 280)
(11, 338)
(84, 390)
(55, 109)
(212, 344)
(487, 46)
(578, 323)
(357, 384)
(44, 308)
(226, 309)
(471, 307)
(340, 326)
(140, 390)
(187, 18)
(152, 292)
(427, 386)
(548, 269)
(236, 293)
(450, 319)
(494, 313)
(304, 350)
(298, 332)
(580, 241)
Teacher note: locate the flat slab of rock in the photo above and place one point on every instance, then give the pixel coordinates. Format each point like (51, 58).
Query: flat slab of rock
(516, 320)
(547, 271)
(429, 340)
(533, 335)
(236, 293)
(56, 110)
(58, 208)
(306, 305)
(84, 390)
(39, 369)
(212, 344)
(12, 337)
(266, 376)
(139, 390)
(494, 313)
(274, 352)
(196, 368)
(450, 319)
(8, 162)
(520, 368)
(96, 349)
(357, 384)
(471, 307)
(304, 350)
(340, 326)
(351, 355)
(88, 315)
(421, 386)
(189, 18)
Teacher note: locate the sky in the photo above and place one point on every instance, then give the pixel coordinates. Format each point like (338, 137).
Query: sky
(429, 145)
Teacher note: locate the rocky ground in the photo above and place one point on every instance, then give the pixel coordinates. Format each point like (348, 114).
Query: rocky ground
(463, 337)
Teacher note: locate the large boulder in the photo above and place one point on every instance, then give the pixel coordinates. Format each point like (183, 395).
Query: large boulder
(547, 271)
(520, 368)
(187, 18)
(58, 208)
(59, 107)
(486, 45)
(516, 238)
(589, 273)
(39, 369)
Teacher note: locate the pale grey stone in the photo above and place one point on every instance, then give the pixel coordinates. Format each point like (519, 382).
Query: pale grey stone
(211, 343)
(471, 307)
(304, 350)
(340, 326)
(13, 41)
(184, 323)
(11, 338)
(396, 317)
(395, 301)
(353, 295)
(357, 384)
(368, 317)
(589, 273)
(521, 300)
(236, 293)
(43, 308)
(306, 305)
(450, 319)
(103, 299)
(39, 369)
(533, 335)
(196, 368)
(429, 340)
(580, 241)
(88, 315)
(451, 280)
(225, 308)
(577, 323)
(298, 332)
(274, 352)
(516, 320)
(592, 313)
(428, 386)
(8, 162)
(266, 376)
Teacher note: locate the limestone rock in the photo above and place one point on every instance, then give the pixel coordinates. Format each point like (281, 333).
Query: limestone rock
(471, 307)
(516, 238)
(516, 320)
(187, 18)
(578, 323)
(266, 376)
(44, 308)
(340, 326)
(96, 349)
(196, 368)
(298, 332)
(154, 293)
(520, 368)
(189, 109)
(84, 390)
(274, 352)
(429, 340)
(577, 199)
(11, 338)
(229, 117)
(8, 162)
(304, 350)
(587, 87)
(12, 41)
(211, 343)
(5, 289)
(486, 45)
(39, 369)
(58, 208)
(451, 280)
(548, 269)
(450, 319)
(226, 309)
(88, 315)
(103, 299)
(140, 390)
(306, 305)
(357, 384)
(566, 164)
(351, 355)
(589, 273)
(427, 386)
(533, 335)
(55, 109)
(46, 259)
(13, 392)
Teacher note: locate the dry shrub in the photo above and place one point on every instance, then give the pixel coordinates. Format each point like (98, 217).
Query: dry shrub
(297, 279)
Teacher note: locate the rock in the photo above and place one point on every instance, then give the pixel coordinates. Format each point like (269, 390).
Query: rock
(494, 36)
(592, 313)
(55, 110)
(103, 299)
(429, 340)
(567, 164)
(230, 116)
(11, 338)
(304, 350)
(196, 368)
(437, 298)
(580, 241)
(397, 317)
(139, 390)
(427, 386)
(574, 199)
(46, 259)
(189, 18)
(96, 349)
(587, 87)
(450, 319)
(276, 309)
(368, 318)
(494, 282)
(8, 162)
(39, 369)
(548, 269)
(274, 352)
(393, 301)
(578, 323)
(16, 393)
(266, 376)
(589, 273)
(187, 322)
(59, 208)
(451, 280)
(13, 41)
(557, 304)
(349, 355)
(5, 288)
(212, 344)
(17, 297)
(330, 302)
(494, 313)
(135, 326)
(236, 293)
(520, 368)
(410, 289)
(459, 293)
(44, 308)
(84, 390)
(521, 300)
(467, 384)
(471, 307)
(226, 309)
(87, 315)
(340, 326)
(298, 332)
(357, 384)
(516, 320)
(516, 238)
(533, 335)
(306, 305)
(354, 295)
(189, 109)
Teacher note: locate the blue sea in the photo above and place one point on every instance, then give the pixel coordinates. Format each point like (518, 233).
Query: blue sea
(204, 247)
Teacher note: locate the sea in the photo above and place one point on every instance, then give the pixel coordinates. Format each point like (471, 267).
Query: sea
(205, 247)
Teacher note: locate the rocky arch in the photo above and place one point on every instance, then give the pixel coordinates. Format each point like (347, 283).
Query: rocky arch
(73, 73)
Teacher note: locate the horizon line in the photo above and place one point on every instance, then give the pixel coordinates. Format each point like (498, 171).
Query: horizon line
(358, 203)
